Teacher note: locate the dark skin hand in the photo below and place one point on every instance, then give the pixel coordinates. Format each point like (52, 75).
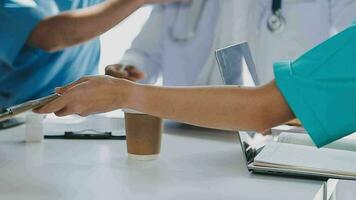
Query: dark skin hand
(129, 72)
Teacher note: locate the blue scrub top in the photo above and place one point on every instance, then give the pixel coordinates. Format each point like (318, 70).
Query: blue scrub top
(28, 73)
(320, 87)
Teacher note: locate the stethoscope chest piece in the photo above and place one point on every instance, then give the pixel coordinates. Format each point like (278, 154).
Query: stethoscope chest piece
(276, 23)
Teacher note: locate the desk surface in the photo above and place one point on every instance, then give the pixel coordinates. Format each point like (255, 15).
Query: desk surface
(194, 164)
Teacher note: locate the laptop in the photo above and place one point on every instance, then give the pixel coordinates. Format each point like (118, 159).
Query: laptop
(236, 65)
(272, 154)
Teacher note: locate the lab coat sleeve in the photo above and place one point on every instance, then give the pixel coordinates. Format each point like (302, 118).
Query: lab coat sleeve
(17, 20)
(342, 13)
(320, 87)
(146, 50)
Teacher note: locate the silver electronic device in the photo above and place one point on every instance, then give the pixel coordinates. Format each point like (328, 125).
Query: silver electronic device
(252, 143)
(11, 112)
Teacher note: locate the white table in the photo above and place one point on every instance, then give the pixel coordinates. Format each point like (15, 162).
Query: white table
(194, 164)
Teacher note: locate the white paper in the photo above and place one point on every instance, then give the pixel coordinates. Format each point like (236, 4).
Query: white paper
(306, 157)
(286, 128)
(347, 143)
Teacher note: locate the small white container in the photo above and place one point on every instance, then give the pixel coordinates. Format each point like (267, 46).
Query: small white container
(34, 127)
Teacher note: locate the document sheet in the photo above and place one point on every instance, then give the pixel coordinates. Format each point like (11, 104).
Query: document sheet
(307, 158)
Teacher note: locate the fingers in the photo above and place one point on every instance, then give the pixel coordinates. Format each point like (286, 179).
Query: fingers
(53, 106)
(135, 74)
(64, 112)
(116, 71)
(74, 98)
(130, 72)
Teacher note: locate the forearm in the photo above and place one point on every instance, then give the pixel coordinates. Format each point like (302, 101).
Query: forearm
(74, 27)
(230, 108)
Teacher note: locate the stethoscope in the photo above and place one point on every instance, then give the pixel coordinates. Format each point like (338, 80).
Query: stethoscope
(276, 23)
(186, 22)
(179, 32)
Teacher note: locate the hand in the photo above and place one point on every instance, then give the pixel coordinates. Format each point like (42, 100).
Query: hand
(131, 73)
(89, 95)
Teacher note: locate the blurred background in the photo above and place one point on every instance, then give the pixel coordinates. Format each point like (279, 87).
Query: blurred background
(117, 40)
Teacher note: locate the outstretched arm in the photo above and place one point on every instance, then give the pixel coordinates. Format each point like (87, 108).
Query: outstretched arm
(230, 108)
(77, 26)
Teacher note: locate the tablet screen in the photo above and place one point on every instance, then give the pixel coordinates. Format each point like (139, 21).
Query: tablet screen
(27, 106)
(237, 66)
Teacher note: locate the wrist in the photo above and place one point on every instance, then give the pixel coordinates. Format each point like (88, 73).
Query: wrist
(125, 93)
(137, 97)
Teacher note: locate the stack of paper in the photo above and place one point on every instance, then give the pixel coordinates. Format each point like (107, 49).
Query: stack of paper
(301, 157)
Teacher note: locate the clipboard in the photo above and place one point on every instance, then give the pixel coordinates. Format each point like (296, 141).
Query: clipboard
(13, 111)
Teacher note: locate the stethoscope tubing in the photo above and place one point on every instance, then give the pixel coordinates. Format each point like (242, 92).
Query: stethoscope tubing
(275, 23)
(191, 30)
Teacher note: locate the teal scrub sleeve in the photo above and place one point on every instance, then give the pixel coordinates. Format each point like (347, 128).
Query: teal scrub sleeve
(320, 87)
(17, 22)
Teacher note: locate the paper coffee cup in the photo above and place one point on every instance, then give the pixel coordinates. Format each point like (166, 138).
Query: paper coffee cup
(143, 135)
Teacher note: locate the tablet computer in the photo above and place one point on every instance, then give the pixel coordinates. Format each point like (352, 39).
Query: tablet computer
(27, 106)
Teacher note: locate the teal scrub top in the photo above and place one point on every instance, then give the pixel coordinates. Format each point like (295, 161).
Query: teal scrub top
(320, 87)
(28, 73)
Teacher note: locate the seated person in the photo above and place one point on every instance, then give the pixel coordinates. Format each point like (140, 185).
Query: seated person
(317, 88)
(42, 42)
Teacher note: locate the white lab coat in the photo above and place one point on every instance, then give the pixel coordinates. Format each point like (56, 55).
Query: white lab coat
(309, 22)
